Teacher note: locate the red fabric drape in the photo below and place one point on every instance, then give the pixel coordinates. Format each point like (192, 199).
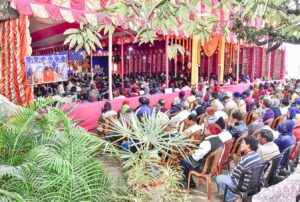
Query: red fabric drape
(215, 64)
(15, 47)
(283, 64)
(272, 65)
(250, 61)
(260, 62)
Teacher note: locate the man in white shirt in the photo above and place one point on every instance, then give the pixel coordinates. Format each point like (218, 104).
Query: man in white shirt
(60, 88)
(197, 160)
(192, 97)
(182, 115)
(284, 106)
(216, 102)
(69, 86)
(267, 148)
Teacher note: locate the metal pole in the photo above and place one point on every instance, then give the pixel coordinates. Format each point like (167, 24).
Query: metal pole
(167, 61)
(92, 70)
(238, 63)
(110, 66)
(122, 61)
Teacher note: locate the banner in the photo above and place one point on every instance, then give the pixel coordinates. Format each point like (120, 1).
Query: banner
(46, 69)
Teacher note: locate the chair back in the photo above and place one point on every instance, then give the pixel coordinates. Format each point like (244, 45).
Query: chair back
(272, 166)
(255, 172)
(277, 121)
(269, 122)
(236, 145)
(201, 118)
(286, 155)
(215, 157)
(107, 124)
(225, 156)
(248, 118)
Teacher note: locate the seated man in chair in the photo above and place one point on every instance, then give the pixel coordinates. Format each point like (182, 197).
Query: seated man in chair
(197, 160)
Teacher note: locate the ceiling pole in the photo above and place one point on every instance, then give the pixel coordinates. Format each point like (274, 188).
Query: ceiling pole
(110, 65)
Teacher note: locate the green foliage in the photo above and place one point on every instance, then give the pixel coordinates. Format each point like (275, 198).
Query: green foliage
(46, 157)
(143, 167)
(145, 18)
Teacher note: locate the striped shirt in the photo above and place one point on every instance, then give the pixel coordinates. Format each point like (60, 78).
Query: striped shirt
(248, 160)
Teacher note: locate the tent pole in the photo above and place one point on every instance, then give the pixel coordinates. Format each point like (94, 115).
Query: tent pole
(122, 61)
(92, 69)
(238, 64)
(110, 65)
(167, 61)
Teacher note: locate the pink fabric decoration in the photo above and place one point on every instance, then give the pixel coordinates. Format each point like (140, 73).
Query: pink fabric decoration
(283, 64)
(250, 61)
(78, 4)
(272, 65)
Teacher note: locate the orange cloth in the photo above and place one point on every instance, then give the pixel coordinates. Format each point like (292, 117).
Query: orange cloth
(211, 46)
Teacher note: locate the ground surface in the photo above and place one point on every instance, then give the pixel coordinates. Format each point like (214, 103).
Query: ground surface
(112, 167)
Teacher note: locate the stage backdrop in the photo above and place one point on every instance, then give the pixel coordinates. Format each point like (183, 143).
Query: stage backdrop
(15, 46)
(46, 69)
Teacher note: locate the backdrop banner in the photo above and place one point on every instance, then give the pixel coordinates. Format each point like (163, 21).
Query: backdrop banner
(46, 69)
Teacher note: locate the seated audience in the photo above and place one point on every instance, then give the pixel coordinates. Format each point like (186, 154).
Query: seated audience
(250, 158)
(144, 108)
(192, 97)
(267, 148)
(176, 106)
(256, 123)
(192, 126)
(268, 113)
(275, 108)
(197, 160)
(286, 138)
(237, 126)
(216, 102)
(240, 102)
(284, 106)
(182, 115)
(225, 134)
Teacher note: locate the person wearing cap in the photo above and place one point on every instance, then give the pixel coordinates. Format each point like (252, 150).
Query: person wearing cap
(121, 94)
(250, 158)
(268, 113)
(286, 137)
(182, 115)
(240, 102)
(197, 160)
(225, 135)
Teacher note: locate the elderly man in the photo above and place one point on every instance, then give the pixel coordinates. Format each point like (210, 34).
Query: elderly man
(216, 102)
(192, 126)
(197, 160)
(267, 148)
(237, 126)
(182, 115)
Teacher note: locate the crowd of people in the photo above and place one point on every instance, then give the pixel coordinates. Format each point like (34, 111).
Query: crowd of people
(85, 87)
(221, 116)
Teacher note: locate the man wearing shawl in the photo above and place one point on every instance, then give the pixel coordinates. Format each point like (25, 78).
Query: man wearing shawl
(286, 138)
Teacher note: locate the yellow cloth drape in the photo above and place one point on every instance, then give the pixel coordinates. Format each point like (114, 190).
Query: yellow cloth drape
(211, 46)
(194, 62)
(221, 59)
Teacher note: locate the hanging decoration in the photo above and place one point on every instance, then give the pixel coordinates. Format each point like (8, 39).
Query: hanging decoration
(15, 42)
(211, 46)
(182, 60)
